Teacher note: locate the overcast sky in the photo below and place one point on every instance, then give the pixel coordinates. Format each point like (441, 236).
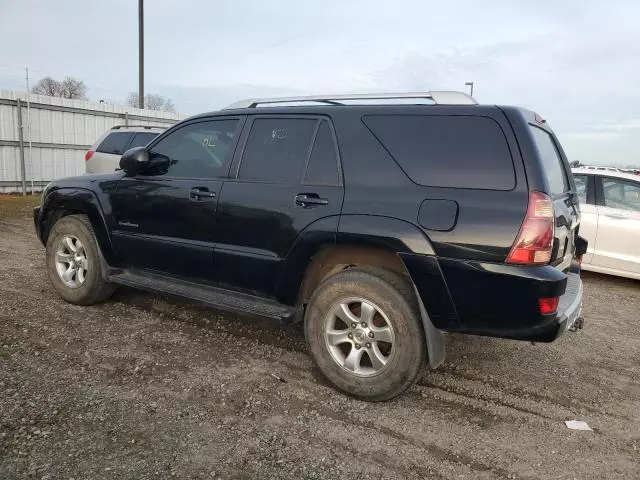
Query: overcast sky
(576, 62)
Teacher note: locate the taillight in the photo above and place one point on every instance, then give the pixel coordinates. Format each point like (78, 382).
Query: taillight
(88, 155)
(548, 305)
(535, 240)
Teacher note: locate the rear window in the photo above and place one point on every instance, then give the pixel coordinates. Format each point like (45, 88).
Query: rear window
(141, 139)
(447, 151)
(552, 164)
(115, 143)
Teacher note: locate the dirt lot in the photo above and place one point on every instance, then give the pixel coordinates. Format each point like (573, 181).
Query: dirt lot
(150, 387)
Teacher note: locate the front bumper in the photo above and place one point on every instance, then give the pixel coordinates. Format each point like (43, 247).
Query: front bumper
(37, 222)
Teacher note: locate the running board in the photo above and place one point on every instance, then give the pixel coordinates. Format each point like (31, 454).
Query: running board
(227, 300)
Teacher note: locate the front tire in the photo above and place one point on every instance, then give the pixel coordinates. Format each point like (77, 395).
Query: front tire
(74, 262)
(364, 332)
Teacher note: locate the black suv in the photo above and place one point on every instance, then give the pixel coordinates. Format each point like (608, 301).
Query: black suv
(378, 225)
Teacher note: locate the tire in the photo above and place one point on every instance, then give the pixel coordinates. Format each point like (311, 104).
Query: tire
(395, 305)
(81, 289)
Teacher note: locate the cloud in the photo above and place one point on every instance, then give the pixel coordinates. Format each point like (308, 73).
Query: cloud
(622, 125)
(572, 61)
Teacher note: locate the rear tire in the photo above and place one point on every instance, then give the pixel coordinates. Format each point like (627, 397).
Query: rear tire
(74, 262)
(380, 350)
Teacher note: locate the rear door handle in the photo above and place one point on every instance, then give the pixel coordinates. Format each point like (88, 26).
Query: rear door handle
(615, 215)
(197, 193)
(309, 200)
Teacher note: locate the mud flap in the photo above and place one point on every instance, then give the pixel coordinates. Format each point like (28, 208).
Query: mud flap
(433, 336)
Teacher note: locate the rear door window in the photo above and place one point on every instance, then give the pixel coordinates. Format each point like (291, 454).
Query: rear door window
(447, 151)
(277, 150)
(552, 164)
(115, 143)
(141, 139)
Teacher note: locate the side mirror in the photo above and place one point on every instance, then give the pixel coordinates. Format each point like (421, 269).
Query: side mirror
(134, 160)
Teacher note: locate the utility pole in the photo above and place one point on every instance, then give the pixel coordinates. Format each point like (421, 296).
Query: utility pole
(140, 54)
(21, 146)
(468, 84)
(29, 130)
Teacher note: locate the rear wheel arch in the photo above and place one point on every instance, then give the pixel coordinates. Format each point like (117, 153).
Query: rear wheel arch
(335, 258)
(373, 240)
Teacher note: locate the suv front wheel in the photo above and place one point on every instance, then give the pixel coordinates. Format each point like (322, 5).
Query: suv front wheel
(74, 262)
(364, 332)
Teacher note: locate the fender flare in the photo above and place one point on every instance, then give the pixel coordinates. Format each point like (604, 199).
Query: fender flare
(79, 200)
(378, 231)
(308, 243)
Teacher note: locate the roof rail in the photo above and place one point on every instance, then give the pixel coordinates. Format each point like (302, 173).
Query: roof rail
(116, 127)
(438, 97)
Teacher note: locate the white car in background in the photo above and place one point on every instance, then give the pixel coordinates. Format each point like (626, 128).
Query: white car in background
(104, 155)
(610, 211)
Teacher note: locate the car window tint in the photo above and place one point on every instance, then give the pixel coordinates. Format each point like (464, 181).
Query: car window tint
(447, 151)
(141, 139)
(552, 164)
(115, 143)
(581, 182)
(277, 150)
(198, 150)
(323, 163)
(621, 194)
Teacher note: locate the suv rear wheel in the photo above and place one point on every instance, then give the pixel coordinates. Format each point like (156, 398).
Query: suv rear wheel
(364, 332)
(74, 262)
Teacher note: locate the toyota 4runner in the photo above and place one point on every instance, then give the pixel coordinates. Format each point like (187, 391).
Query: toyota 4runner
(380, 221)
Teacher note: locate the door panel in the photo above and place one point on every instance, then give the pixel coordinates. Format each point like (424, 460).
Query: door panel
(160, 225)
(258, 224)
(617, 245)
(165, 217)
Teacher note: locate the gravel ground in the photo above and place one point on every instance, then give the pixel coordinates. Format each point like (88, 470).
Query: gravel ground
(150, 387)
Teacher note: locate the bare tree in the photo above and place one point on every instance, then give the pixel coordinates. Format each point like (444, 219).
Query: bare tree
(152, 101)
(47, 86)
(68, 88)
(132, 99)
(73, 88)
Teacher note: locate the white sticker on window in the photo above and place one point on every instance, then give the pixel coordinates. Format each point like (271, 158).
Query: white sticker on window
(279, 133)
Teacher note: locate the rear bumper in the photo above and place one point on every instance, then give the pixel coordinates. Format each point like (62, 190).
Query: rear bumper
(570, 306)
(494, 299)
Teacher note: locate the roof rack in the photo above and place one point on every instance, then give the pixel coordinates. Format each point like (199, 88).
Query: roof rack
(438, 97)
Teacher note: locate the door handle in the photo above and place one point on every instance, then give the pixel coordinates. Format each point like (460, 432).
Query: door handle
(614, 215)
(309, 200)
(197, 193)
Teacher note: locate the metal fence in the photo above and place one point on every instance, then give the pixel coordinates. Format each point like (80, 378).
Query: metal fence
(44, 138)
